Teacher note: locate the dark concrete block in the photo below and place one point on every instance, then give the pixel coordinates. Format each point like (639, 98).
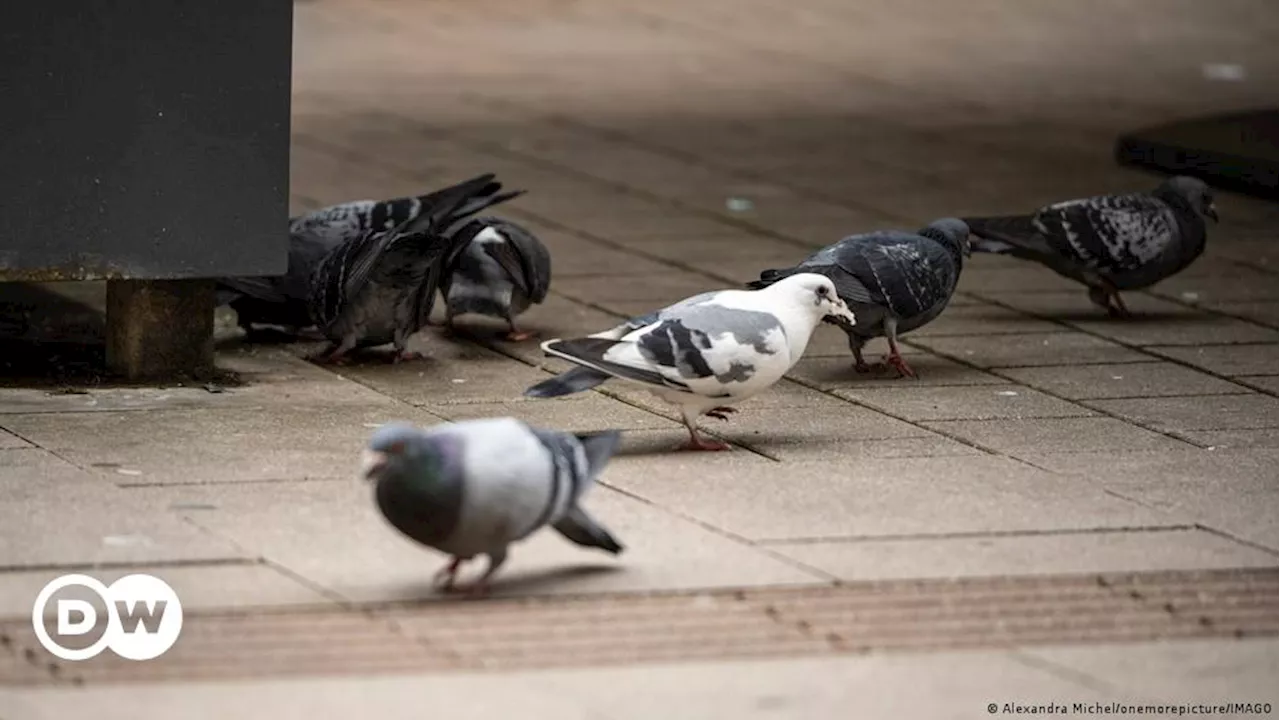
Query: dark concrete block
(159, 328)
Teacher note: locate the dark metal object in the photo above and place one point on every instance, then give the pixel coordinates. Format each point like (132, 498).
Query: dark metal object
(1233, 152)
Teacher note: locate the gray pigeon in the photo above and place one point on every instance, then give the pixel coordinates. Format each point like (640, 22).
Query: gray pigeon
(706, 353)
(379, 287)
(1108, 242)
(894, 281)
(473, 488)
(282, 300)
(503, 271)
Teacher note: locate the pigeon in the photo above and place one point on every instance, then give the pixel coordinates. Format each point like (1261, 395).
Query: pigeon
(1108, 242)
(706, 353)
(894, 281)
(503, 271)
(379, 287)
(282, 300)
(474, 487)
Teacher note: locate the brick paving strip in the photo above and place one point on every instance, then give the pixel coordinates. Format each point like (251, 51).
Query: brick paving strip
(517, 634)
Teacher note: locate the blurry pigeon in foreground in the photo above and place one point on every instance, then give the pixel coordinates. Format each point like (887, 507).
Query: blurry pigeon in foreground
(283, 299)
(473, 488)
(893, 281)
(705, 353)
(503, 271)
(379, 287)
(1108, 242)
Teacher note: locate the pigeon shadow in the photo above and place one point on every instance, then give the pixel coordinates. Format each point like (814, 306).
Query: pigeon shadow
(506, 585)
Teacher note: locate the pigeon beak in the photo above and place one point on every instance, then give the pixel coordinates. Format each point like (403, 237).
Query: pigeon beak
(1212, 211)
(844, 314)
(372, 462)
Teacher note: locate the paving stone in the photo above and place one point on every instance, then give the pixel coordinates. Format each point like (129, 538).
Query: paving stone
(223, 445)
(828, 421)
(831, 372)
(1259, 311)
(572, 256)
(1016, 437)
(582, 413)
(827, 498)
(830, 341)
(1063, 348)
(9, 441)
(1207, 412)
(202, 586)
(1209, 281)
(1226, 359)
(658, 290)
(31, 464)
(868, 686)
(982, 320)
(1077, 382)
(963, 403)
(1027, 278)
(1178, 329)
(1232, 439)
(371, 561)
(269, 376)
(457, 372)
(1266, 383)
(1187, 671)
(1232, 491)
(1025, 554)
(68, 519)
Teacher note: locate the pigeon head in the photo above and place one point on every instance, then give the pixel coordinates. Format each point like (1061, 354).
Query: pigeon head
(817, 292)
(951, 232)
(1194, 192)
(394, 447)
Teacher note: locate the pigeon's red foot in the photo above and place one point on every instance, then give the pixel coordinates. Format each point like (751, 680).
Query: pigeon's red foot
(445, 576)
(406, 356)
(520, 335)
(896, 361)
(706, 445)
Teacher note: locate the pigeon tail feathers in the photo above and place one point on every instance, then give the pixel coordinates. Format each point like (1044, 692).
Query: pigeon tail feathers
(573, 381)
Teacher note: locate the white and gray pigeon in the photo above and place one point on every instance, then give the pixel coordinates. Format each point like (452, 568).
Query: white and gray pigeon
(706, 353)
(282, 300)
(1108, 242)
(894, 281)
(473, 488)
(503, 271)
(379, 287)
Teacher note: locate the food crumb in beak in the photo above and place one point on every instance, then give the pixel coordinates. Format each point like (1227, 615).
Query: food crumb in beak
(371, 461)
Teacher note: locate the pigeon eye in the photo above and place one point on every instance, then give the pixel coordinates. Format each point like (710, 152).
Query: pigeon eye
(396, 448)
(822, 291)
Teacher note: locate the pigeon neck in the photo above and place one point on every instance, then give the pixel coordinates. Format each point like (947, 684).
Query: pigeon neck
(952, 246)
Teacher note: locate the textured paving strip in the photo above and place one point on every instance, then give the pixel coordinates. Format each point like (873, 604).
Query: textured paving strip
(499, 635)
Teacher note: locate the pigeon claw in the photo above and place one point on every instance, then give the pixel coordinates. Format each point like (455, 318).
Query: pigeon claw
(701, 444)
(721, 413)
(520, 335)
(904, 370)
(405, 356)
(445, 576)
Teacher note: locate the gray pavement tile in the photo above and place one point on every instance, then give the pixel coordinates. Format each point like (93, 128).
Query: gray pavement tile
(583, 412)
(829, 420)
(1205, 412)
(831, 372)
(1079, 382)
(830, 341)
(9, 441)
(214, 445)
(828, 498)
(1266, 383)
(30, 464)
(978, 402)
(64, 520)
(1232, 439)
(1208, 281)
(1226, 359)
(1061, 348)
(1026, 278)
(1025, 554)
(1178, 328)
(875, 686)
(982, 320)
(1092, 434)
(1260, 311)
(659, 289)
(293, 525)
(1209, 672)
(456, 373)
(201, 586)
(1233, 491)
